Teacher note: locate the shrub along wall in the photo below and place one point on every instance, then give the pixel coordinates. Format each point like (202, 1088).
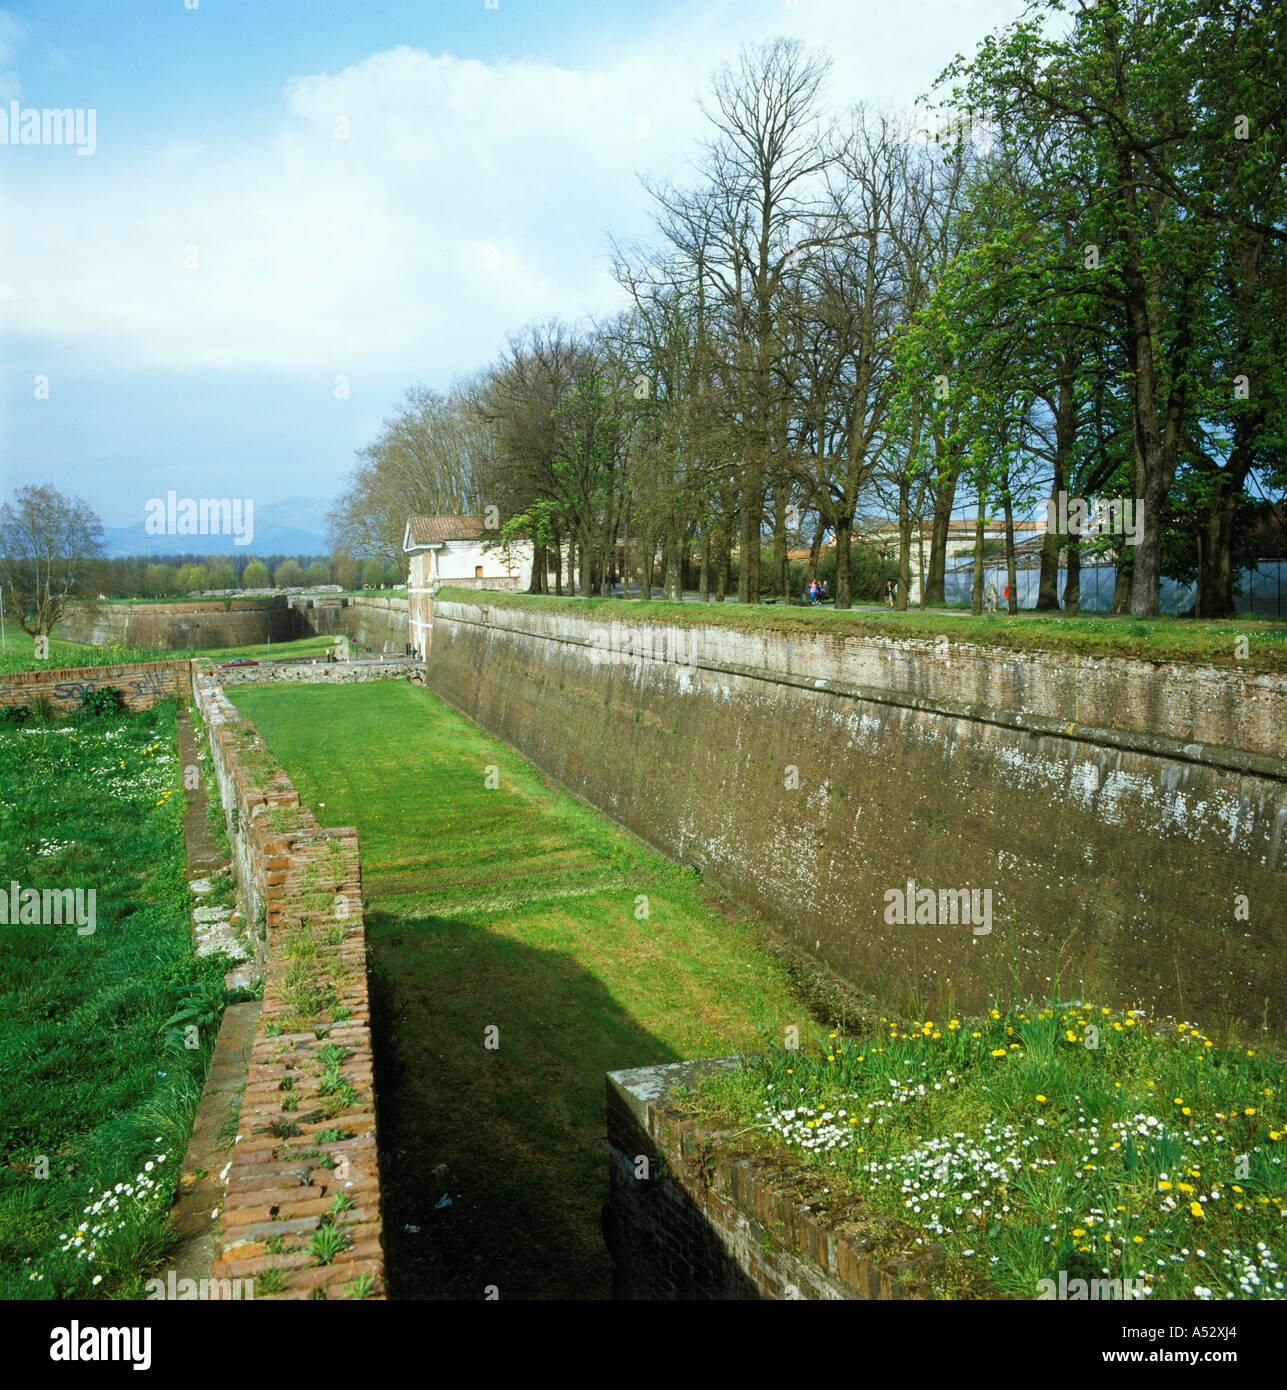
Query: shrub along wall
(142, 683)
(304, 1175)
(1126, 820)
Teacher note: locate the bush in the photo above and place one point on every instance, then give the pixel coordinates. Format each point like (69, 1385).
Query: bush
(99, 702)
(14, 716)
(42, 711)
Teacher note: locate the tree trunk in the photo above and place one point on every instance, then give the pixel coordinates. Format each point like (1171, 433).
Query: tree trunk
(1072, 585)
(1122, 590)
(920, 557)
(976, 591)
(1215, 570)
(674, 581)
(779, 586)
(944, 495)
(704, 573)
(1048, 587)
(815, 550)
(1065, 439)
(1156, 442)
(904, 543)
(748, 570)
(844, 530)
(1012, 576)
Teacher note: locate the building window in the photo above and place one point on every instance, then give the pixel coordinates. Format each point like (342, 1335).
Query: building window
(478, 571)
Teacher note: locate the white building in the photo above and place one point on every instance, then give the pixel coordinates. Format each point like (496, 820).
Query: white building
(451, 550)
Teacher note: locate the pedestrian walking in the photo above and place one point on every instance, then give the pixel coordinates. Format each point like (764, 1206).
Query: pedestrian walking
(889, 593)
(990, 593)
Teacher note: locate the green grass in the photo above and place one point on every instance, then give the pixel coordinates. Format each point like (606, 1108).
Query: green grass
(1037, 1140)
(20, 655)
(299, 646)
(1179, 640)
(95, 1093)
(516, 908)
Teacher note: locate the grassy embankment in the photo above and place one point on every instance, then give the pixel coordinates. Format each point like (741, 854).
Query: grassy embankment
(1087, 1140)
(1180, 640)
(20, 654)
(519, 908)
(1008, 1139)
(99, 1092)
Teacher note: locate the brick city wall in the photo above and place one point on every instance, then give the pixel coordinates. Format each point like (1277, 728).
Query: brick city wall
(715, 1219)
(179, 626)
(307, 1128)
(142, 683)
(1128, 820)
(377, 623)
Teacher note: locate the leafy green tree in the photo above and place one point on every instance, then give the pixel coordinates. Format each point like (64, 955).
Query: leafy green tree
(191, 578)
(159, 580)
(1186, 134)
(348, 572)
(373, 574)
(220, 574)
(255, 576)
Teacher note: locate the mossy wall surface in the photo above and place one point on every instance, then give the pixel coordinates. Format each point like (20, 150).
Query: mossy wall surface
(378, 624)
(1128, 820)
(181, 626)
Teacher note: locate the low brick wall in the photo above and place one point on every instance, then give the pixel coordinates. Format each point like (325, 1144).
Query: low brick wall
(311, 1062)
(142, 683)
(319, 673)
(717, 1219)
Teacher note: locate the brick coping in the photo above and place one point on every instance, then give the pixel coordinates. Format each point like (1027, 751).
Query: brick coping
(306, 1132)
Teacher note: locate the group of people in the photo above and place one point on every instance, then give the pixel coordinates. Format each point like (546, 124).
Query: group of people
(990, 594)
(815, 591)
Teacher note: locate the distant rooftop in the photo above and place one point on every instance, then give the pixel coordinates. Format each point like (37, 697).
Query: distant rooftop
(434, 530)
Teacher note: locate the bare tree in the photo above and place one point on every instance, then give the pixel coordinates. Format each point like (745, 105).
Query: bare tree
(764, 203)
(46, 543)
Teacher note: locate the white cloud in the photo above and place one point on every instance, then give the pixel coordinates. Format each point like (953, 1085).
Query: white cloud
(10, 32)
(467, 199)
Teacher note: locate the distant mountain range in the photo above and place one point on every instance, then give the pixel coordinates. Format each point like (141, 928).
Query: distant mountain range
(296, 526)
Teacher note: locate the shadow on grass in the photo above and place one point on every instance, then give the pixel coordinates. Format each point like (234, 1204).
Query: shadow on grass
(515, 1135)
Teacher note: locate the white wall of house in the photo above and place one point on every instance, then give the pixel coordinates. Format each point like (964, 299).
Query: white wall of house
(456, 562)
(464, 564)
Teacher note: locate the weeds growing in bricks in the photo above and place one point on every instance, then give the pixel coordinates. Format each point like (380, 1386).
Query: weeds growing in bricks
(326, 1243)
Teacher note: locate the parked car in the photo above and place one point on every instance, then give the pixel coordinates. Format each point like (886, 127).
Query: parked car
(240, 661)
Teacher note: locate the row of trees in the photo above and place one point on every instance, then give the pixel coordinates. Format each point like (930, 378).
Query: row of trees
(51, 552)
(1080, 288)
(177, 575)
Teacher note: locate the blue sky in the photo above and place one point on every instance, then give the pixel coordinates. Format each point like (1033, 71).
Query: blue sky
(282, 194)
